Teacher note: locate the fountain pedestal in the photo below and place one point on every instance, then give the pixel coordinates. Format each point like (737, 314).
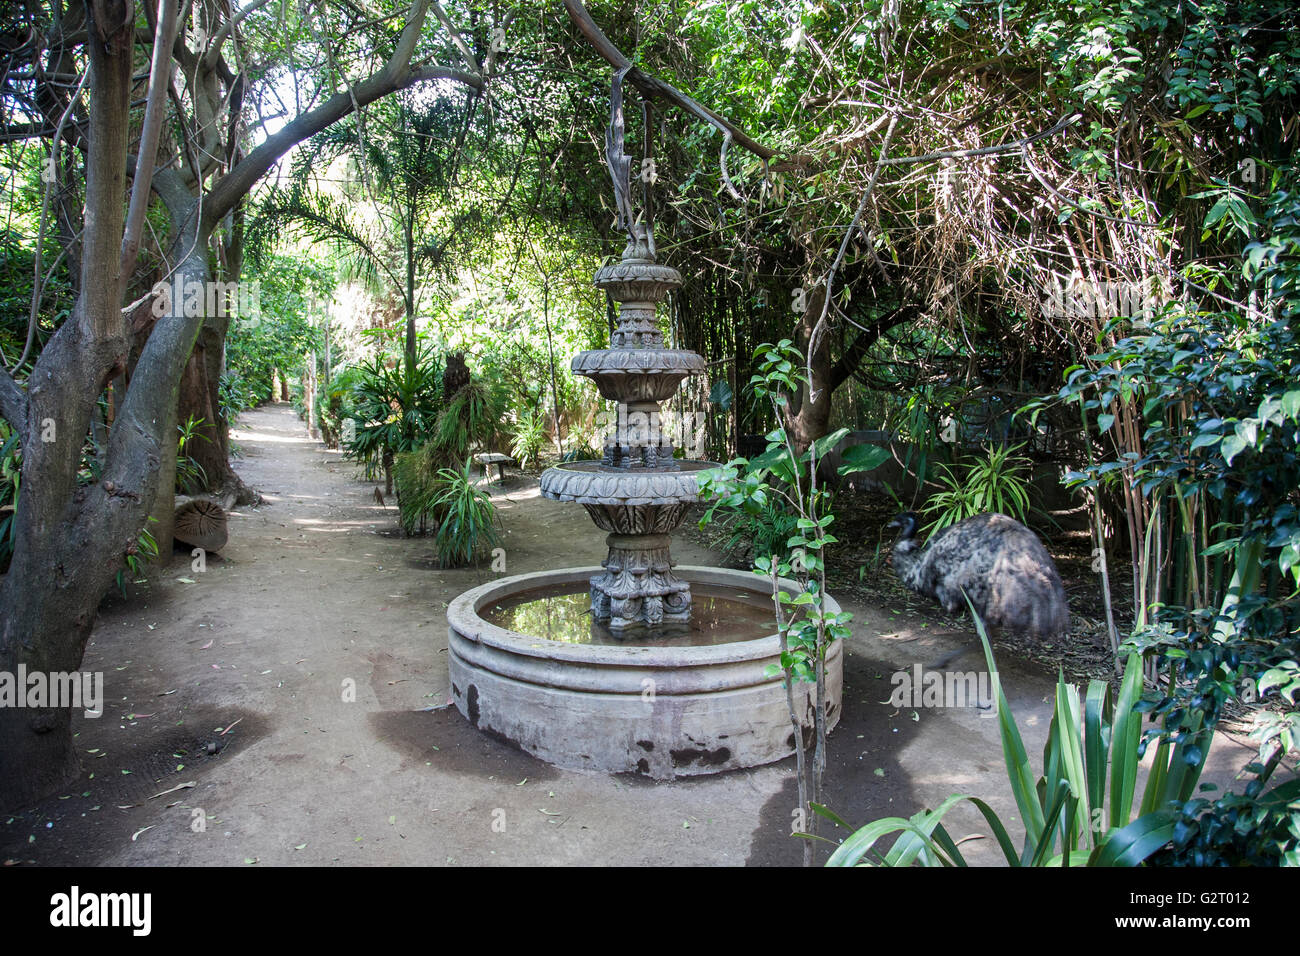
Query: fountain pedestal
(638, 585)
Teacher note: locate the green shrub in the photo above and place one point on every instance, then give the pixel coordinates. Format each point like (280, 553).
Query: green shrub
(190, 476)
(1079, 810)
(11, 463)
(998, 483)
(529, 436)
(397, 409)
(467, 526)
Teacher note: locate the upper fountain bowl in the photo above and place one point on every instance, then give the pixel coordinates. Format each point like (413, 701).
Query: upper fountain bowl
(637, 374)
(637, 279)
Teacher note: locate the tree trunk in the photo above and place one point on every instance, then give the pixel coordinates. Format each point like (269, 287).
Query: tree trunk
(69, 540)
(809, 412)
(200, 398)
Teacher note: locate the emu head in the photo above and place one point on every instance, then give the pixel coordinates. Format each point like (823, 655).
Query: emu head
(906, 554)
(906, 523)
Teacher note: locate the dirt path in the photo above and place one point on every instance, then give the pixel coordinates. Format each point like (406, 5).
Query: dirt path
(316, 592)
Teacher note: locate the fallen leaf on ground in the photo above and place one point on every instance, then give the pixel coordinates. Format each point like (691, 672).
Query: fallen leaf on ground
(179, 786)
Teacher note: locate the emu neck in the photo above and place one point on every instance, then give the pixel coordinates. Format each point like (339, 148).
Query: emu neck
(907, 562)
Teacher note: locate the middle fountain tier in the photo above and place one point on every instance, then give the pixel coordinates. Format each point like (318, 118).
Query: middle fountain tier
(639, 492)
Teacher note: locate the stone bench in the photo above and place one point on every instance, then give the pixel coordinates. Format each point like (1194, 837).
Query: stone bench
(487, 459)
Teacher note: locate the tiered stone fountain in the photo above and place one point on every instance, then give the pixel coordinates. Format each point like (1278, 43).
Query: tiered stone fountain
(616, 668)
(635, 666)
(638, 492)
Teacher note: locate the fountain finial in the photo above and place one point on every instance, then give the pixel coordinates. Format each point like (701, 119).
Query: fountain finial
(640, 229)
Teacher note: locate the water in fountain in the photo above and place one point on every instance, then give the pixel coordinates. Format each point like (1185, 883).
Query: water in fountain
(719, 615)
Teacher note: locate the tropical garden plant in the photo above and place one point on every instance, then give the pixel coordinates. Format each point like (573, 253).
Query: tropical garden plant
(467, 528)
(1083, 807)
(529, 437)
(999, 483)
(397, 406)
(190, 476)
(786, 477)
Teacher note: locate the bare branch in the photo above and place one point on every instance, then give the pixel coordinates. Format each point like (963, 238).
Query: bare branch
(13, 405)
(456, 38)
(820, 327)
(227, 29)
(397, 74)
(1019, 144)
(37, 283)
(654, 88)
(154, 111)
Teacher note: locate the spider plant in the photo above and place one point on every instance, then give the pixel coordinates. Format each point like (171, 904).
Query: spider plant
(997, 483)
(467, 527)
(190, 476)
(530, 435)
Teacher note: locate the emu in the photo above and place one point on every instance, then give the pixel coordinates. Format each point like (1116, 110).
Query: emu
(999, 563)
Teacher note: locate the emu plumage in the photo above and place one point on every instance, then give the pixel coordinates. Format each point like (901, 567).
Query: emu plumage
(999, 563)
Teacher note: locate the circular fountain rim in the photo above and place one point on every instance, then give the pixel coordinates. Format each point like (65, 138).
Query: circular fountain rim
(463, 617)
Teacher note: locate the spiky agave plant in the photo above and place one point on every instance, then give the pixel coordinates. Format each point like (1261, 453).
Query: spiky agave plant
(1083, 809)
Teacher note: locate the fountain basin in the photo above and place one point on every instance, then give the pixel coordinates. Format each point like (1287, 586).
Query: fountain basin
(658, 709)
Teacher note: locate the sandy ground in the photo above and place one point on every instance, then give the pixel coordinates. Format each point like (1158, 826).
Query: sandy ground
(316, 592)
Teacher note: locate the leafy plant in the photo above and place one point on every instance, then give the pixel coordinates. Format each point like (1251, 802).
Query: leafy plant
(1252, 828)
(764, 532)
(529, 437)
(142, 551)
(234, 395)
(11, 464)
(190, 475)
(1202, 414)
(1080, 809)
(416, 476)
(785, 477)
(471, 418)
(397, 409)
(997, 483)
(468, 524)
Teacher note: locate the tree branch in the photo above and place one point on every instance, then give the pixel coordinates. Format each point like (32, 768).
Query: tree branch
(456, 38)
(13, 405)
(154, 111)
(227, 29)
(868, 336)
(397, 74)
(654, 88)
